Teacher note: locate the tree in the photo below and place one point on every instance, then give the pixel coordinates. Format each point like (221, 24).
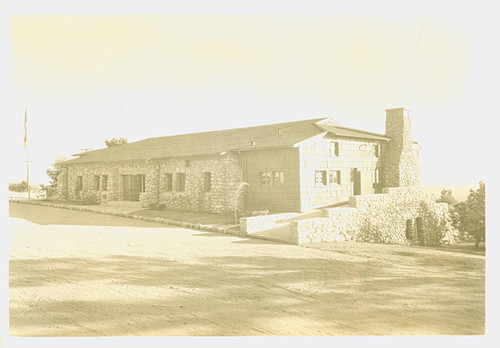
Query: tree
(53, 173)
(447, 197)
(473, 215)
(18, 186)
(238, 200)
(114, 142)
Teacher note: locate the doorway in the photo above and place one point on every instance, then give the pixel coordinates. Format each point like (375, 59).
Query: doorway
(133, 185)
(355, 182)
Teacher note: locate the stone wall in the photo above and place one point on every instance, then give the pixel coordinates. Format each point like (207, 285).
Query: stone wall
(259, 223)
(401, 159)
(317, 154)
(226, 175)
(62, 184)
(113, 171)
(399, 215)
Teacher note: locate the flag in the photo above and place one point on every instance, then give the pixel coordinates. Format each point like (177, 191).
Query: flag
(25, 129)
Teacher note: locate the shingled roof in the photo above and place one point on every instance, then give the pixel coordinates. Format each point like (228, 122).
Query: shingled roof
(215, 142)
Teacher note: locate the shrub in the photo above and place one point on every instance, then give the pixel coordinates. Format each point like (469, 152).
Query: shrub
(437, 227)
(51, 190)
(90, 199)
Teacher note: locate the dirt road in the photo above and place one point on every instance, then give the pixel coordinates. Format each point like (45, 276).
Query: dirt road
(84, 274)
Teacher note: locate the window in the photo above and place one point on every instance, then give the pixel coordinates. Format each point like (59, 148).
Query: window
(376, 180)
(320, 177)
(419, 228)
(104, 183)
(97, 182)
(334, 148)
(376, 150)
(207, 181)
(180, 182)
(265, 178)
(168, 182)
(278, 178)
(334, 177)
(409, 229)
(79, 183)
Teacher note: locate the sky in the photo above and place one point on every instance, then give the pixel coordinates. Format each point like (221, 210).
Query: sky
(85, 78)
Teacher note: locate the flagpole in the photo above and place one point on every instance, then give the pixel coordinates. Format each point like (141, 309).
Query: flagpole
(28, 173)
(26, 146)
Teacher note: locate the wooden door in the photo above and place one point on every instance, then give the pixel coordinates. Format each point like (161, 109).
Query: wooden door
(366, 182)
(126, 187)
(355, 181)
(135, 187)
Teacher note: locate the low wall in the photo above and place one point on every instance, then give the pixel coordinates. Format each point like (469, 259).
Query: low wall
(338, 224)
(259, 223)
(399, 215)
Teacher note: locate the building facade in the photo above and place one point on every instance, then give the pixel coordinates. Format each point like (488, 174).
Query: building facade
(289, 167)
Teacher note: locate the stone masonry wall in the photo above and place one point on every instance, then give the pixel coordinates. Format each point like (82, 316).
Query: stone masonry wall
(399, 215)
(62, 184)
(383, 217)
(401, 159)
(226, 175)
(113, 171)
(339, 224)
(316, 154)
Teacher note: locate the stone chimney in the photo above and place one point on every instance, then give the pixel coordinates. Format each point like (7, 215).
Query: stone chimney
(401, 159)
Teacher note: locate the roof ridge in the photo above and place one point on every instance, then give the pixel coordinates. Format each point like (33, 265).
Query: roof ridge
(200, 142)
(233, 129)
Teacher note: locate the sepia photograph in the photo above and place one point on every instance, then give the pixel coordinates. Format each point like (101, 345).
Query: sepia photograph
(248, 172)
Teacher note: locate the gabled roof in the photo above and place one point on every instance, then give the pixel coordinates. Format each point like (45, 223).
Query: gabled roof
(215, 142)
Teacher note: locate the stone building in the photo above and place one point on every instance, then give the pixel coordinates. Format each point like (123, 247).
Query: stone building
(289, 167)
(366, 186)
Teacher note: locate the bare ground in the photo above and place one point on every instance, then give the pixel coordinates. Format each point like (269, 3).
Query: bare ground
(84, 274)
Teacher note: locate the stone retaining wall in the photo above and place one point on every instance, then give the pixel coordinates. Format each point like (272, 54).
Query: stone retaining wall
(400, 215)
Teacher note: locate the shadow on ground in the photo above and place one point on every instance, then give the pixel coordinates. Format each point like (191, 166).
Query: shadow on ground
(238, 295)
(42, 215)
